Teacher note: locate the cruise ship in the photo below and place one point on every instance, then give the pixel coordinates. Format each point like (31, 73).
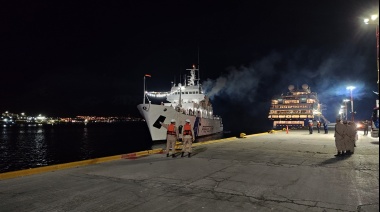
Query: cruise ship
(186, 101)
(296, 108)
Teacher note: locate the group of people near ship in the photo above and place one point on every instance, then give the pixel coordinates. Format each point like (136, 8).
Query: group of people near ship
(345, 137)
(319, 125)
(172, 135)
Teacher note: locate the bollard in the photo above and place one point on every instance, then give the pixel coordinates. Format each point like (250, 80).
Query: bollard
(287, 129)
(242, 135)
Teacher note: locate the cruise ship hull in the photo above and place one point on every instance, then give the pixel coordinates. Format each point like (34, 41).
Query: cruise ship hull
(153, 114)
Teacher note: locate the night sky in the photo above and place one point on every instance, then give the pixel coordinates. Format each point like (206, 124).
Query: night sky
(63, 58)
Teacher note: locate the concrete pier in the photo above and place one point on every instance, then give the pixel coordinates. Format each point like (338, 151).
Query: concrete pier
(281, 171)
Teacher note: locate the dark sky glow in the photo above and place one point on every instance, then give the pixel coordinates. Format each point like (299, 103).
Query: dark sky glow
(73, 58)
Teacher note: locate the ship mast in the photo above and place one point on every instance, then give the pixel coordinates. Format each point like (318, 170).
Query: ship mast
(199, 75)
(180, 92)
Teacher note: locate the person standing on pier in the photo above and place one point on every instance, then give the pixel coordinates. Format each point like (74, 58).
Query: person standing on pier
(350, 137)
(339, 138)
(366, 127)
(319, 126)
(325, 127)
(171, 137)
(187, 138)
(310, 127)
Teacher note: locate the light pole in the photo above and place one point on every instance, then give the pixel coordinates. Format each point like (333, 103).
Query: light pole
(375, 21)
(341, 113)
(345, 106)
(352, 102)
(146, 75)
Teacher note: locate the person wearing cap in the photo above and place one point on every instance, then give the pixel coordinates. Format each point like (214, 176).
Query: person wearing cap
(339, 138)
(171, 137)
(187, 138)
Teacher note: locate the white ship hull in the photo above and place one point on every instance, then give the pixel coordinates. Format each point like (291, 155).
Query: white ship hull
(153, 112)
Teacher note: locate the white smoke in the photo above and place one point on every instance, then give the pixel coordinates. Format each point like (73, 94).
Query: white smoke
(326, 74)
(242, 83)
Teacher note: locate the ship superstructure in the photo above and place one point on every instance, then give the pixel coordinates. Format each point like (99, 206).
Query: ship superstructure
(186, 101)
(296, 108)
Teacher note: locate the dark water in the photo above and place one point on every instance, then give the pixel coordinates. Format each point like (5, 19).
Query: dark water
(23, 147)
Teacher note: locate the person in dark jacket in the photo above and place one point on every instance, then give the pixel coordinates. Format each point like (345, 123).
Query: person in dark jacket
(325, 128)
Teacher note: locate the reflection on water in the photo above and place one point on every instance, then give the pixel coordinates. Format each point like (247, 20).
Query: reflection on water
(23, 147)
(86, 149)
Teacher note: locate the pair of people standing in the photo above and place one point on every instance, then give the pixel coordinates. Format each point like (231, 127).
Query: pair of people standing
(325, 127)
(173, 135)
(345, 137)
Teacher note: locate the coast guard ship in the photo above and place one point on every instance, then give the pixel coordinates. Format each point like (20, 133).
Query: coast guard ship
(184, 102)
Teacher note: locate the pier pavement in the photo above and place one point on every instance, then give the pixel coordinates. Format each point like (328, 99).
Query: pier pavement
(263, 172)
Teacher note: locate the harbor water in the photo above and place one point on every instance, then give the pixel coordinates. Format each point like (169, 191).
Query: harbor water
(24, 147)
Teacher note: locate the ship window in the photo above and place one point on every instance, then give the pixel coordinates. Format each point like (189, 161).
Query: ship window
(291, 101)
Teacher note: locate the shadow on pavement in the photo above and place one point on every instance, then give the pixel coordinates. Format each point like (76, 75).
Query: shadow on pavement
(334, 160)
(194, 152)
(375, 142)
(198, 150)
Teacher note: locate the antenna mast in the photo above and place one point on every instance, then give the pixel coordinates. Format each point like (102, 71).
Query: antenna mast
(199, 75)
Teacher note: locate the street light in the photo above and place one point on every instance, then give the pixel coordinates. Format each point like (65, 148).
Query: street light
(345, 105)
(352, 102)
(375, 21)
